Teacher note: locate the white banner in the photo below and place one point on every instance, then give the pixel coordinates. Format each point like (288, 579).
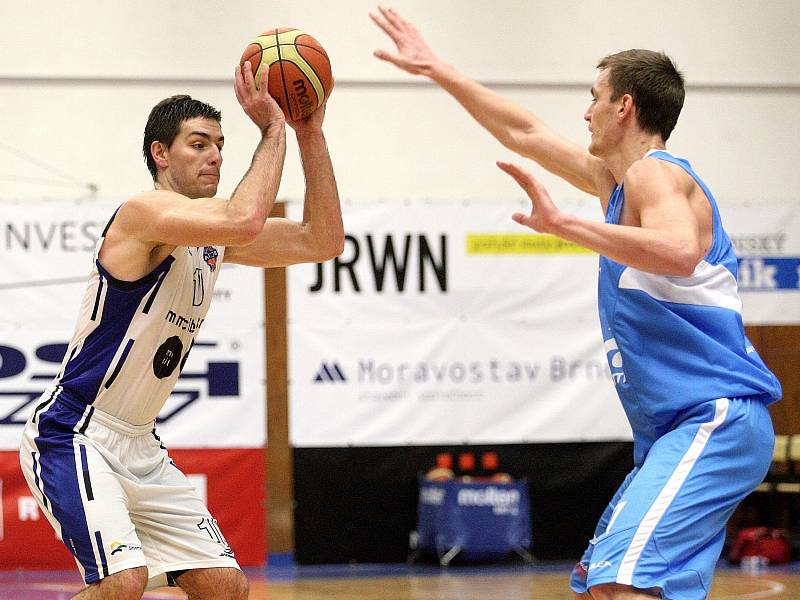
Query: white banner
(47, 255)
(448, 323)
(767, 240)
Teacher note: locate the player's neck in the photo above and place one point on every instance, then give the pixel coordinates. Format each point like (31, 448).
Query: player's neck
(629, 151)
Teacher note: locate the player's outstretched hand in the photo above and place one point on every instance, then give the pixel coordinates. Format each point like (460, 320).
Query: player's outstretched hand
(413, 54)
(544, 216)
(256, 101)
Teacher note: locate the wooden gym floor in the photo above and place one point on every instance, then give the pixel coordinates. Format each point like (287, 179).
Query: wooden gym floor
(399, 582)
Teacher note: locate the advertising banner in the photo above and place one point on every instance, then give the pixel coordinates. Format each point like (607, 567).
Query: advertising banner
(47, 249)
(446, 322)
(767, 240)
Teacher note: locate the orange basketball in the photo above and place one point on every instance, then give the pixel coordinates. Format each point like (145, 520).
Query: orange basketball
(299, 75)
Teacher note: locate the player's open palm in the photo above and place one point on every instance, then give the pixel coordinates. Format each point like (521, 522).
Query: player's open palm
(544, 213)
(413, 54)
(255, 100)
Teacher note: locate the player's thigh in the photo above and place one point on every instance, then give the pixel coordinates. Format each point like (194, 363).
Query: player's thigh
(698, 472)
(85, 501)
(176, 528)
(717, 469)
(668, 527)
(581, 569)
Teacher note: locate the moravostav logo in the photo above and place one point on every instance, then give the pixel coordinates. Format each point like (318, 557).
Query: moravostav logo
(329, 372)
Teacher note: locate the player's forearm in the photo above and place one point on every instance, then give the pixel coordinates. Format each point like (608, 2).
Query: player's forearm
(253, 198)
(516, 128)
(650, 250)
(322, 214)
(506, 121)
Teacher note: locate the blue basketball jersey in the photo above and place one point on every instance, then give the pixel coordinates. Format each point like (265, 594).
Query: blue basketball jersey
(673, 343)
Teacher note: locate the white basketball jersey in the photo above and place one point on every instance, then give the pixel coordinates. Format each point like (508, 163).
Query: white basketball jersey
(132, 338)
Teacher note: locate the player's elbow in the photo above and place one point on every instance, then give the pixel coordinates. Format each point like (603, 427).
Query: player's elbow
(332, 247)
(685, 261)
(247, 227)
(514, 139)
(519, 137)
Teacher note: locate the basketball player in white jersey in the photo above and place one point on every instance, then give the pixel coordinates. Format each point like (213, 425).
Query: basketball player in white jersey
(693, 387)
(90, 452)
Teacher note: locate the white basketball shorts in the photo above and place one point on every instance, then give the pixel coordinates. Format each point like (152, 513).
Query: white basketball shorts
(114, 496)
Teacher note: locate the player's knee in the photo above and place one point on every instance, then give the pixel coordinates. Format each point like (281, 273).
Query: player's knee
(235, 585)
(125, 585)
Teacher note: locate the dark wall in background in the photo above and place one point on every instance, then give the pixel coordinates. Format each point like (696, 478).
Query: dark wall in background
(359, 504)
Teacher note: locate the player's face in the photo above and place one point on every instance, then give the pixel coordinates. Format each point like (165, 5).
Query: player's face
(601, 116)
(195, 158)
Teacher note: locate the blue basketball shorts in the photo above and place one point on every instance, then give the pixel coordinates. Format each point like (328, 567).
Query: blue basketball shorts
(114, 496)
(664, 529)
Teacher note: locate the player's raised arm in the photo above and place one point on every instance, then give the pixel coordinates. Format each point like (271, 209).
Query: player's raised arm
(516, 128)
(320, 234)
(181, 211)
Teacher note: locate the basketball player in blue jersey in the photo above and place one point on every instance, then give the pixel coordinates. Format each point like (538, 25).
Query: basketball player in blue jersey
(693, 387)
(90, 452)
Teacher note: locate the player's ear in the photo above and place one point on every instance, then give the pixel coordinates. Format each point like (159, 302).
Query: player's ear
(158, 150)
(625, 106)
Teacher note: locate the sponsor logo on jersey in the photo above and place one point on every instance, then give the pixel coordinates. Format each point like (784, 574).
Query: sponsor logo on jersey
(580, 571)
(600, 564)
(615, 361)
(187, 324)
(210, 255)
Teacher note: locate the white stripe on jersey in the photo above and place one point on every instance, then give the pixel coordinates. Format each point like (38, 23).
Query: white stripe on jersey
(709, 285)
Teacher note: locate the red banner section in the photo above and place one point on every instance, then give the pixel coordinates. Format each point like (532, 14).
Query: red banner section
(232, 481)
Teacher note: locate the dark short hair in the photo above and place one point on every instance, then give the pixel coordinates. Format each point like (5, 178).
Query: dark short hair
(655, 84)
(165, 121)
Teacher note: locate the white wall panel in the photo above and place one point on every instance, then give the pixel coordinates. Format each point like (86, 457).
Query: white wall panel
(75, 97)
(386, 142)
(716, 41)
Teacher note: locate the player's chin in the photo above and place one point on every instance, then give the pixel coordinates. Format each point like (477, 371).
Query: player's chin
(208, 190)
